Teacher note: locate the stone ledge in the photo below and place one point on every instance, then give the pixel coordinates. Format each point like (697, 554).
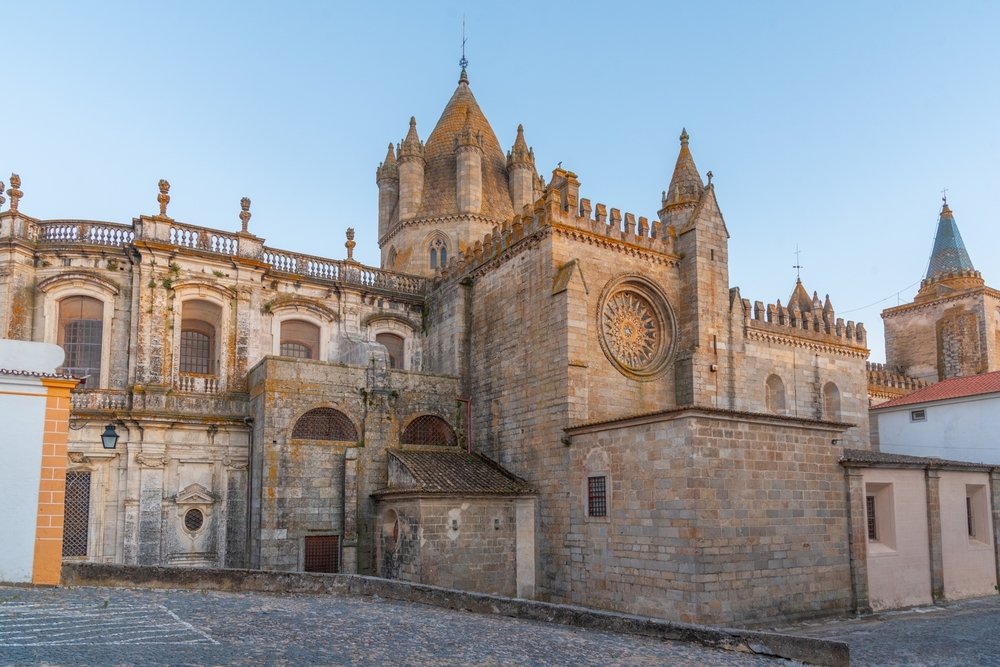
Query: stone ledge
(808, 650)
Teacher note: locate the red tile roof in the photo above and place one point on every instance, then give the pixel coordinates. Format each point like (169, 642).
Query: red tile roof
(972, 385)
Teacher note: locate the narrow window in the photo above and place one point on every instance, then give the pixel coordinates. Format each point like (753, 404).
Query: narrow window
(872, 526)
(831, 402)
(775, 395)
(434, 257)
(81, 329)
(597, 496)
(322, 553)
(76, 521)
(199, 337)
(968, 516)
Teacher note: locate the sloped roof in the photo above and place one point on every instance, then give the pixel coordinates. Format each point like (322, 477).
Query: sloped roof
(865, 456)
(949, 252)
(452, 470)
(972, 385)
(800, 298)
(440, 194)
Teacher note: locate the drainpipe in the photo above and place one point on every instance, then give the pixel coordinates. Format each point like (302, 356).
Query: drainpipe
(468, 421)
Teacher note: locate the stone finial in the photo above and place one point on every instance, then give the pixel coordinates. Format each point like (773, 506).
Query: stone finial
(245, 213)
(2, 198)
(684, 136)
(710, 175)
(350, 244)
(163, 198)
(14, 192)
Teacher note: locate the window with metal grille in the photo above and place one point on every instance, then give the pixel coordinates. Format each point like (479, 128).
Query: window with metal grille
(322, 553)
(76, 521)
(870, 508)
(428, 430)
(194, 519)
(297, 350)
(968, 516)
(597, 496)
(325, 424)
(196, 352)
(81, 329)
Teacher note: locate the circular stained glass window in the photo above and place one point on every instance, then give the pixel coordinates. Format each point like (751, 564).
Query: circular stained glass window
(636, 327)
(194, 519)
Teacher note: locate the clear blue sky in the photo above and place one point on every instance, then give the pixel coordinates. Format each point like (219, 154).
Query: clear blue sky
(831, 125)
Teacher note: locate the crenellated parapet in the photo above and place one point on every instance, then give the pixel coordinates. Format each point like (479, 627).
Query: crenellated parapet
(561, 210)
(803, 324)
(886, 383)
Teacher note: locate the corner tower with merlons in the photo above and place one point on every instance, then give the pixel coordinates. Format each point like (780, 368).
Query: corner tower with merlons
(438, 198)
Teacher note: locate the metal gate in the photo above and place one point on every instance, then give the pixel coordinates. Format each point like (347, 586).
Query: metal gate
(322, 553)
(76, 524)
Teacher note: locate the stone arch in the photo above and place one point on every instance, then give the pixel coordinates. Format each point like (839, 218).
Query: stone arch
(428, 430)
(325, 423)
(831, 402)
(775, 394)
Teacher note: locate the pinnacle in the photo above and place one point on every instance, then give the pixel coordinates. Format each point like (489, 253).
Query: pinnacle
(949, 253)
(686, 186)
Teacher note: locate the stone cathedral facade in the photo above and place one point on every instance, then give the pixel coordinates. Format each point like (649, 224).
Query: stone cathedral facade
(536, 394)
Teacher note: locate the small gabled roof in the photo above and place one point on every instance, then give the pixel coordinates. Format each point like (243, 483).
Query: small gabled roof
(451, 470)
(972, 385)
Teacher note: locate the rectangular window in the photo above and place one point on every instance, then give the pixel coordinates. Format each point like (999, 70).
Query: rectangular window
(76, 522)
(872, 526)
(196, 352)
(918, 415)
(322, 553)
(977, 513)
(597, 496)
(968, 516)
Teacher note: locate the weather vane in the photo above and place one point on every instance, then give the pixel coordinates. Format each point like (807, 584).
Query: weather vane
(797, 267)
(464, 62)
(944, 195)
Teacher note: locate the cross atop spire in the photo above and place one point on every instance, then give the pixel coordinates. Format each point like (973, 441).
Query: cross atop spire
(463, 62)
(798, 267)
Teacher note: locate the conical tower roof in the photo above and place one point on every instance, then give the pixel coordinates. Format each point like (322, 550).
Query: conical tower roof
(949, 252)
(800, 298)
(686, 186)
(440, 197)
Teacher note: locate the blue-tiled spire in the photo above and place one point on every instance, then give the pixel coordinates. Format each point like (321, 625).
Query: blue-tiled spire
(949, 252)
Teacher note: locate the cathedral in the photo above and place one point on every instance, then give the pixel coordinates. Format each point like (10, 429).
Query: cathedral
(535, 394)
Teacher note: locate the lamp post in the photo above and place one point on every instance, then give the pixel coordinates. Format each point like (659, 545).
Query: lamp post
(110, 437)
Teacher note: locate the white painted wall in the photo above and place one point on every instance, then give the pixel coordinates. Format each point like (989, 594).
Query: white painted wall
(22, 413)
(963, 429)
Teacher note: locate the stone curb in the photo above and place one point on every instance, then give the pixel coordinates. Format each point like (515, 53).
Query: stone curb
(804, 649)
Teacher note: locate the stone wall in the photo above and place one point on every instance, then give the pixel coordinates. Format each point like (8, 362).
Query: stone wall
(723, 517)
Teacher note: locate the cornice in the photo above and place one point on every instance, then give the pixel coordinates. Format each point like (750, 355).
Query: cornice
(817, 346)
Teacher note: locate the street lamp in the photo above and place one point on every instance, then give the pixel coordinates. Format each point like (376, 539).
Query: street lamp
(110, 437)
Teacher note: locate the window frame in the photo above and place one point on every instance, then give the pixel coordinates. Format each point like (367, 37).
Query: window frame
(598, 496)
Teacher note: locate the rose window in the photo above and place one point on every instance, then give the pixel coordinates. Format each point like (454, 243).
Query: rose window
(636, 327)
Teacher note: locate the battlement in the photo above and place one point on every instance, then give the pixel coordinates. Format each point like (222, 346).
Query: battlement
(888, 377)
(560, 206)
(814, 323)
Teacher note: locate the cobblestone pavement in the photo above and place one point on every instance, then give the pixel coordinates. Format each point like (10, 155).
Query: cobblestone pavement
(958, 633)
(105, 626)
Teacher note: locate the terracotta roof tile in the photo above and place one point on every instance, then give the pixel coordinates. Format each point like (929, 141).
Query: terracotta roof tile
(887, 458)
(452, 470)
(972, 385)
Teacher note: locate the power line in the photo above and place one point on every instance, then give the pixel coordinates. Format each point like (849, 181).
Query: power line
(875, 303)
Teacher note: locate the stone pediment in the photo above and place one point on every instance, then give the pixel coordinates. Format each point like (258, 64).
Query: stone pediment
(195, 494)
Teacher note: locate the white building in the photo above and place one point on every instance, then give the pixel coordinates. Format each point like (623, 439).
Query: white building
(957, 419)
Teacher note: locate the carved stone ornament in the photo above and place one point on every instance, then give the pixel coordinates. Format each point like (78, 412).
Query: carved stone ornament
(149, 461)
(163, 198)
(245, 213)
(14, 192)
(636, 327)
(77, 457)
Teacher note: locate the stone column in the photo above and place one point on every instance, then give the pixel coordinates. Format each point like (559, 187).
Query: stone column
(858, 540)
(933, 478)
(995, 503)
(349, 564)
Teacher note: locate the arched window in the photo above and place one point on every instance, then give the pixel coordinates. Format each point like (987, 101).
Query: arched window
(394, 345)
(325, 424)
(299, 339)
(81, 330)
(775, 391)
(438, 254)
(831, 402)
(428, 430)
(199, 344)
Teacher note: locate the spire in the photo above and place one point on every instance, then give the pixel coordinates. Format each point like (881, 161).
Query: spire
(389, 168)
(520, 154)
(685, 186)
(800, 298)
(411, 144)
(949, 252)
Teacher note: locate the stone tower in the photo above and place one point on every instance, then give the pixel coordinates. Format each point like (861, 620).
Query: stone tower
(952, 327)
(436, 199)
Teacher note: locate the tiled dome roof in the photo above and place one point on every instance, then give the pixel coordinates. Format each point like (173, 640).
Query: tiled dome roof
(439, 196)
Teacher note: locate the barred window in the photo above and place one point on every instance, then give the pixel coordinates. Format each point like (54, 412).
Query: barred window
(597, 496)
(81, 330)
(299, 339)
(325, 424)
(76, 520)
(872, 525)
(322, 553)
(428, 430)
(196, 352)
